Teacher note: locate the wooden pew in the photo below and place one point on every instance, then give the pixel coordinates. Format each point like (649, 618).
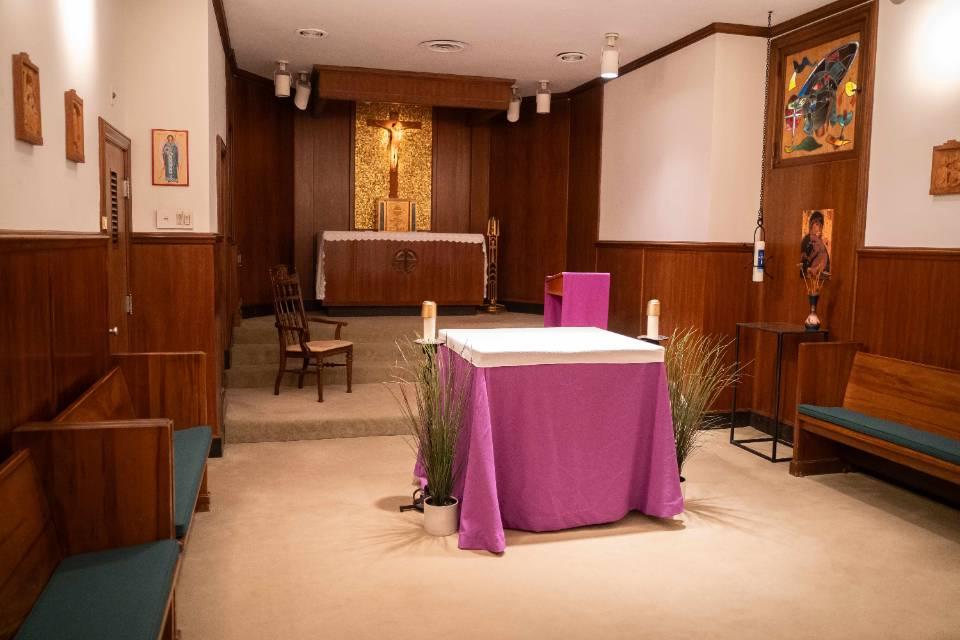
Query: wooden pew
(121, 585)
(110, 416)
(904, 412)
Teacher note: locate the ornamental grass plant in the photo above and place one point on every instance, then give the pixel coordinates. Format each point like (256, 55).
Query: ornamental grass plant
(697, 372)
(432, 392)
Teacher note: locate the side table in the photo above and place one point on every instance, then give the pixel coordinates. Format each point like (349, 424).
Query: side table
(780, 329)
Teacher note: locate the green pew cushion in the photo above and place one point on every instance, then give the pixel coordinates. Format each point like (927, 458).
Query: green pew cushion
(120, 593)
(931, 444)
(190, 449)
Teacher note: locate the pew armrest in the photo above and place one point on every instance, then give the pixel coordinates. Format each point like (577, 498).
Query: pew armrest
(110, 484)
(167, 385)
(823, 369)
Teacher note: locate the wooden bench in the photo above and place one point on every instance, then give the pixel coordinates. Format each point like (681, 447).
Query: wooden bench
(905, 412)
(118, 583)
(74, 446)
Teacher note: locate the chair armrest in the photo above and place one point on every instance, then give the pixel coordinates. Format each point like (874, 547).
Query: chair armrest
(822, 372)
(168, 385)
(340, 325)
(109, 483)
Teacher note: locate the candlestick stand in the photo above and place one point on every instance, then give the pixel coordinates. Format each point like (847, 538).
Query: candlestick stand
(493, 242)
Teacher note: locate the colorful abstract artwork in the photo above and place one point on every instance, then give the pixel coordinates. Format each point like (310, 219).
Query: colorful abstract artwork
(820, 99)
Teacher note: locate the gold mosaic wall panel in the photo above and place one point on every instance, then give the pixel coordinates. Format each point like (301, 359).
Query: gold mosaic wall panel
(372, 162)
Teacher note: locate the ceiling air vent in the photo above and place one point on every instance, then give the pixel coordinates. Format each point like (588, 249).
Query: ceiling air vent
(444, 46)
(571, 56)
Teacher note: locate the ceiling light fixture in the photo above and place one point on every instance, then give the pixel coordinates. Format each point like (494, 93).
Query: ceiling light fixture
(513, 111)
(281, 80)
(302, 96)
(571, 56)
(444, 46)
(610, 57)
(543, 97)
(312, 33)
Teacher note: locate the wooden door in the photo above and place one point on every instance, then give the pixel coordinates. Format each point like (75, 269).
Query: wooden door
(115, 197)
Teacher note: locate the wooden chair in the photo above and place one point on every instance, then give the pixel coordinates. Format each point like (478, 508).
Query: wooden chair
(293, 332)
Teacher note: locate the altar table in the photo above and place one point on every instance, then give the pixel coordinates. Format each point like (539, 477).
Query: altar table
(565, 427)
(384, 268)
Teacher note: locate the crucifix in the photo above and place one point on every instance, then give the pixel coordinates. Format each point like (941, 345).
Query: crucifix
(394, 126)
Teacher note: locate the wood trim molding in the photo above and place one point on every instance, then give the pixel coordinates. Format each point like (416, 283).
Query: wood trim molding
(221, 14)
(174, 238)
(816, 15)
(12, 240)
(739, 247)
(429, 89)
(917, 253)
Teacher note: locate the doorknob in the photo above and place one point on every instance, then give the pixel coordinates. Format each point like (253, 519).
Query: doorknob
(114, 331)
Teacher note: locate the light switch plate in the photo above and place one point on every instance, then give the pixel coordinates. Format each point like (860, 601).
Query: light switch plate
(174, 219)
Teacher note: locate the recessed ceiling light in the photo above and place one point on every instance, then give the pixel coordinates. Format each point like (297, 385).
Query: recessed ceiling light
(571, 56)
(314, 34)
(444, 46)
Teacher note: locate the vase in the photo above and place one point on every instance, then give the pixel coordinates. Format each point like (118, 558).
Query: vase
(812, 323)
(441, 520)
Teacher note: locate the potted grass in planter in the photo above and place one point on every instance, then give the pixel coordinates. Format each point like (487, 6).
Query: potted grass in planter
(432, 393)
(696, 374)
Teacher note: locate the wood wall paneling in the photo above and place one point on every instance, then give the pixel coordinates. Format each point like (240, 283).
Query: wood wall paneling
(529, 169)
(479, 177)
(53, 333)
(583, 215)
(451, 170)
(323, 182)
(261, 148)
(172, 278)
(907, 305)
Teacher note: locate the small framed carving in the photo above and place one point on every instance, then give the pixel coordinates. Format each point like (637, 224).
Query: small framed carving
(26, 100)
(396, 214)
(945, 175)
(73, 111)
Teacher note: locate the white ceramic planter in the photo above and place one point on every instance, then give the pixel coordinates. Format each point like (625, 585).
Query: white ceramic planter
(441, 521)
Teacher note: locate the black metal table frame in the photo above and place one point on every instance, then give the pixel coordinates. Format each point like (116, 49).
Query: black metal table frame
(775, 438)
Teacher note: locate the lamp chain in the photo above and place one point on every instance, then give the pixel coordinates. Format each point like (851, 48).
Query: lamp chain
(766, 123)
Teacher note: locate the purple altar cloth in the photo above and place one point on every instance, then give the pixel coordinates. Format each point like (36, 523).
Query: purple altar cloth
(556, 446)
(585, 301)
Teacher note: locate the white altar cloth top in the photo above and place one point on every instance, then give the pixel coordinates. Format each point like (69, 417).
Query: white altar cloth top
(548, 345)
(401, 236)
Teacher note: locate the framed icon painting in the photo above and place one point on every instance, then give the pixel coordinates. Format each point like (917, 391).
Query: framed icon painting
(171, 150)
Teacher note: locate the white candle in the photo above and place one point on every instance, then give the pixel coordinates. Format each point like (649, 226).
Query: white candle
(653, 319)
(759, 248)
(429, 314)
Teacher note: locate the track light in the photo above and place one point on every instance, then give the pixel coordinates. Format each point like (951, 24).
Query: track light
(513, 111)
(543, 97)
(302, 96)
(281, 80)
(610, 57)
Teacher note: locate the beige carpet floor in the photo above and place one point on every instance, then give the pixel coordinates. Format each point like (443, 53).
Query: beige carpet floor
(304, 541)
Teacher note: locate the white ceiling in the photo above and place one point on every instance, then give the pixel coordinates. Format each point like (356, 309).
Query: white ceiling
(509, 38)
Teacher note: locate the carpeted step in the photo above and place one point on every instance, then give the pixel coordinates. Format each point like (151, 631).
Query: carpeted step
(263, 375)
(256, 415)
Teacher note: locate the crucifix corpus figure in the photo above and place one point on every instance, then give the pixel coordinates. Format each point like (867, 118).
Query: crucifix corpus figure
(394, 127)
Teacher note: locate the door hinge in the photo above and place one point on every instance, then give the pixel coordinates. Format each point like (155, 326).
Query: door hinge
(129, 304)
(126, 188)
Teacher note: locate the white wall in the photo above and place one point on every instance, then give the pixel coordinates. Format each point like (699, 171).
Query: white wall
(75, 43)
(216, 64)
(916, 107)
(681, 145)
(158, 58)
(167, 74)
